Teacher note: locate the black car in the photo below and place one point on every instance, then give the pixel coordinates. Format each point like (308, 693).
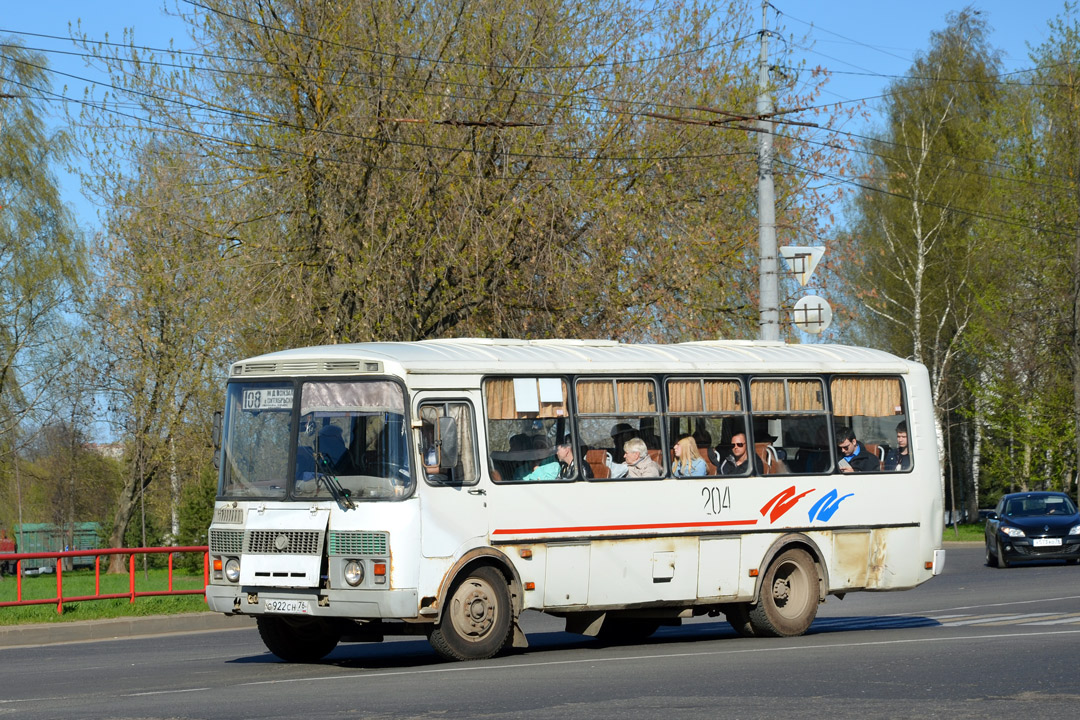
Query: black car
(1033, 526)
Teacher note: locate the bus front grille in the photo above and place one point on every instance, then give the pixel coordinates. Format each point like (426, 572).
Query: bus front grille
(284, 542)
(226, 542)
(359, 543)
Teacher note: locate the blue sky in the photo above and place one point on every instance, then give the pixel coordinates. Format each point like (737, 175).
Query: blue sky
(865, 42)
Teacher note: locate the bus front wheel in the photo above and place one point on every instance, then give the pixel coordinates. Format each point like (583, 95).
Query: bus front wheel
(788, 596)
(476, 623)
(299, 642)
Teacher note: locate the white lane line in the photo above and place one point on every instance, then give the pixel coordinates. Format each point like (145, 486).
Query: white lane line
(166, 692)
(996, 618)
(474, 668)
(1061, 621)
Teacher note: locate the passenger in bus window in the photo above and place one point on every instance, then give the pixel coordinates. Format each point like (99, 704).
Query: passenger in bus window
(688, 462)
(856, 458)
(520, 443)
(899, 458)
(638, 463)
(738, 462)
(548, 468)
(569, 467)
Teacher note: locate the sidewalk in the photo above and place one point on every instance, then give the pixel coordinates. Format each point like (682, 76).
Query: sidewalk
(12, 636)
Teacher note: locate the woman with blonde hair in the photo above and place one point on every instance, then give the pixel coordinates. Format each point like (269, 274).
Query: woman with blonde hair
(688, 462)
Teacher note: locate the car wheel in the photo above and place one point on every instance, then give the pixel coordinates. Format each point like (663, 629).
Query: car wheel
(991, 558)
(1002, 561)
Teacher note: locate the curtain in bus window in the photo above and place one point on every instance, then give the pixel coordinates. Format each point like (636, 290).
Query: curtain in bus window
(518, 398)
(595, 396)
(462, 415)
(768, 395)
(875, 397)
(365, 396)
(636, 396)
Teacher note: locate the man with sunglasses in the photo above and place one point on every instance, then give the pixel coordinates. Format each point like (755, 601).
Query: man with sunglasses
(738, 462)
(855, 456)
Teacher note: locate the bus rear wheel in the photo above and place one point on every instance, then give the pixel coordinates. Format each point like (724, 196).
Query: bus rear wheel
(297, 641)
(476, 623)
(788, 596)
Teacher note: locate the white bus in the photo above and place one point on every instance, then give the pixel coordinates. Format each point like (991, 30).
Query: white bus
(441, 488)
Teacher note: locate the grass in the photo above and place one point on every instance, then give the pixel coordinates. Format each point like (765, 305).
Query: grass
(81, 583)
(965, 533)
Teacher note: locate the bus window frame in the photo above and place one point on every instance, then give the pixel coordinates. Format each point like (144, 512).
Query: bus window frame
(419, 449)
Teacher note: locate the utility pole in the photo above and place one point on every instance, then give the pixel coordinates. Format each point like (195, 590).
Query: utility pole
(769, 300)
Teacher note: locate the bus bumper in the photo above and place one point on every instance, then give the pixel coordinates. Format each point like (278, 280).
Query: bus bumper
(385, 604)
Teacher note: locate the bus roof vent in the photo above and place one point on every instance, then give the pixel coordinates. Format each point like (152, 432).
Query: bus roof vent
(256, 368)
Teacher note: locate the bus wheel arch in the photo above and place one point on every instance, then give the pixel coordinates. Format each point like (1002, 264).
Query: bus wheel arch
(795, 540)
(479, 605)
(792, 582)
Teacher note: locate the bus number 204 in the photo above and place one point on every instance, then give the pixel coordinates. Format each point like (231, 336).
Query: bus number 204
(716, 499)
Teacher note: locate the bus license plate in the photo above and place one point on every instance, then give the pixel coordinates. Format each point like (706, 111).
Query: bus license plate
(1046, 542)
(289, 607)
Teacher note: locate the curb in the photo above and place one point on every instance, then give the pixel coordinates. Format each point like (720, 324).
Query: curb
(38, 634)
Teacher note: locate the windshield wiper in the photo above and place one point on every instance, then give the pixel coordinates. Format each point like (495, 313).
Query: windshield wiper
(328, 478)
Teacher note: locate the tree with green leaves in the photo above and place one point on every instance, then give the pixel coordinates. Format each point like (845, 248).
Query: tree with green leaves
(919, 231)
(42, 264)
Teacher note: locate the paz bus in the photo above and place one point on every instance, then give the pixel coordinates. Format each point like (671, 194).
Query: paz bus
(441, 488)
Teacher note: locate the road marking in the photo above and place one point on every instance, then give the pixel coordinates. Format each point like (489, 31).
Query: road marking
(1012, 619)
(166, 692)
(485, 667)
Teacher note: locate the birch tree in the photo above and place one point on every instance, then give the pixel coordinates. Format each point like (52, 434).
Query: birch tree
(918, 234)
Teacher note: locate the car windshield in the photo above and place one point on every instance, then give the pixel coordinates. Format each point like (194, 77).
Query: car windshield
(1032, 506)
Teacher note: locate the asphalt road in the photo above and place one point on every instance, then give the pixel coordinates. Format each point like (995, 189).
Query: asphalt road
(974, 643)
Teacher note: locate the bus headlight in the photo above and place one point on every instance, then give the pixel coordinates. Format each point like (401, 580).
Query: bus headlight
(354, 572)
(232, 570)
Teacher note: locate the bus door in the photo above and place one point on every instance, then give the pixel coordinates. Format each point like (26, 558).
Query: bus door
(453, 497)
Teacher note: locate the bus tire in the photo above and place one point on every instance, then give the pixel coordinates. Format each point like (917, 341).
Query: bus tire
(477, 621)
(738, 616)
(788, 596)
(296, 641)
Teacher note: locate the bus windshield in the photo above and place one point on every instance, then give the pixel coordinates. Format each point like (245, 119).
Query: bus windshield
(350, 441)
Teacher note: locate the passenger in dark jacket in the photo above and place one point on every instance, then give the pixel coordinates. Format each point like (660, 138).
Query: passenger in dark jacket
(856, 458)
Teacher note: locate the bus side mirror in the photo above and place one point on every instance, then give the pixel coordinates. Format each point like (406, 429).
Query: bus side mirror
(448, 443)
(215, 438)
(215, 430)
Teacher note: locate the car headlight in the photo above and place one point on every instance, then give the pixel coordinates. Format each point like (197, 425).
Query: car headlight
(1074, 530)
(354, 572)
(1012, 531)
(232, 570)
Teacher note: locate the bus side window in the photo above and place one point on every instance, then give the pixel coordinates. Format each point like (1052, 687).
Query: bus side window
(873, 408)
(447, 443)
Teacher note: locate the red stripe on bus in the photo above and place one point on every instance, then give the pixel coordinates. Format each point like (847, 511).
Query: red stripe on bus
(598, 528)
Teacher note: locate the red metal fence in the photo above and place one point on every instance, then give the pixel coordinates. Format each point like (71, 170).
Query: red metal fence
(132, 592)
